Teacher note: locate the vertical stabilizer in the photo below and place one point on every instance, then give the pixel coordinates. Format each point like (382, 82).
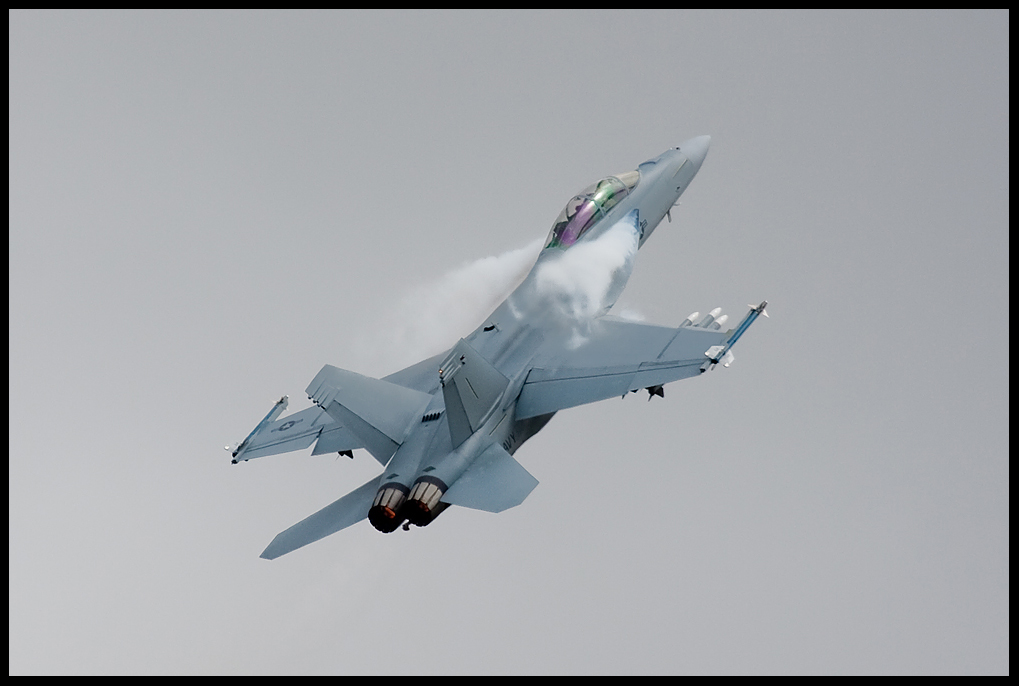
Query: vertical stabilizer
(471, 387)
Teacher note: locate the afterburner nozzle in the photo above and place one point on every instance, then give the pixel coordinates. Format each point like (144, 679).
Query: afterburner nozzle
(423, 505)
(385, 513)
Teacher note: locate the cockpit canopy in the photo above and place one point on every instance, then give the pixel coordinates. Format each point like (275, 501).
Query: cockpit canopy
(589, 207)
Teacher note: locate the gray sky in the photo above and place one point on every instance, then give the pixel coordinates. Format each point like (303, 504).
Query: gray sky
(205, 208)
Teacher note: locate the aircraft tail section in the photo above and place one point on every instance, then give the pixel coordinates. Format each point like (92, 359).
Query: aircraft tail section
(494, 482)
(471, 386)
(379, 413)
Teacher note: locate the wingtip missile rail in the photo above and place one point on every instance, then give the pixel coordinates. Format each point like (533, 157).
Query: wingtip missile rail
(276, 411)
(720, 353)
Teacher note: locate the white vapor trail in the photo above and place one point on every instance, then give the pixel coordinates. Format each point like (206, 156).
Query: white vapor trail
(584, 282)
(576, 285)
(432, 317)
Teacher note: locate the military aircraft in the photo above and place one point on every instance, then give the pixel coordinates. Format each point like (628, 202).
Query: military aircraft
(445, 429)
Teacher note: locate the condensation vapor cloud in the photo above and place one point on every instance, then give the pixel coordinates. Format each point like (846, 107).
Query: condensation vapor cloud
(435, 315)
(576, 286)
(585, 281)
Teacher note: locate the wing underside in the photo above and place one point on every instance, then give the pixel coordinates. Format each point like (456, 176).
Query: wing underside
(297, 432)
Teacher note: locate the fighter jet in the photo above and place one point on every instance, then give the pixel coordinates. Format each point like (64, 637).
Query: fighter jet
(445, 429)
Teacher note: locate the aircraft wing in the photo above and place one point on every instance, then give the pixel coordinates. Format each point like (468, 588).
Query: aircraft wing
(621, 356)
(295, 432)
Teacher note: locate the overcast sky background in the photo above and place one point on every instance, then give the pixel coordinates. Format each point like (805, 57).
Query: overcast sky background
(205, 208)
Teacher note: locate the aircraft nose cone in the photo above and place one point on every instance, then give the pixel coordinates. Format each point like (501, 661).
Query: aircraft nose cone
(696, 149)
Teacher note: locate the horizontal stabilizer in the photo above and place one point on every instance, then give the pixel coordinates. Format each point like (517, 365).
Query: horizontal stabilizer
(494, 482)
(348, 510)
(378, 413)
(471, 387)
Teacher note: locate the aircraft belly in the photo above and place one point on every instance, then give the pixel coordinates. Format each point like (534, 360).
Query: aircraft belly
(429, 440)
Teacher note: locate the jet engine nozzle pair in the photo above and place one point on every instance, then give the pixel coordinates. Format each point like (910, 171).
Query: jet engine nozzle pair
(393, 505)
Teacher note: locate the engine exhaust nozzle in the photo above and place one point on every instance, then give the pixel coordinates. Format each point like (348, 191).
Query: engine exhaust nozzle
(423, 505)
(385, 513)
